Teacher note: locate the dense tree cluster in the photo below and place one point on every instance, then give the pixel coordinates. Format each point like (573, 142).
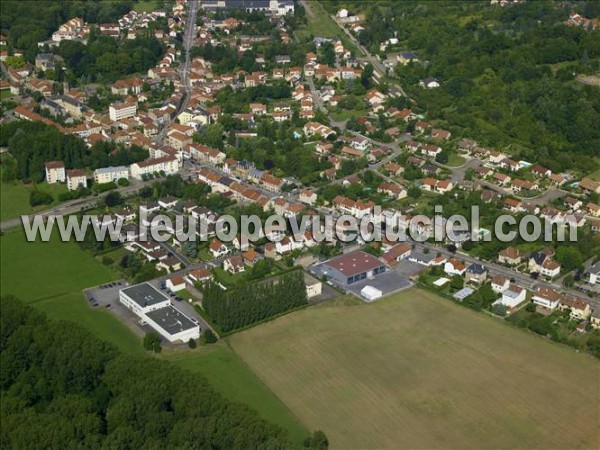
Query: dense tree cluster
(34, 143)
(237, 308)
(63, 388)
(107, 59)
(27, 23)
(226, 59)
(507, 74)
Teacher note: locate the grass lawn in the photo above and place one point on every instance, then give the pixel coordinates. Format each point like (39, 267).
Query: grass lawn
(5, 94)
(51, 276)
(322, 25)
(145, 6)
(14, 198)
(345, 114)
(595, 175)
(230, 376)
(416, 371)
(204, 254)
(455, 160)
(186, 295)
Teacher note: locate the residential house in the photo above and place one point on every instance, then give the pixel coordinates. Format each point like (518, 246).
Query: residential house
(308, 196)
(593, 274)
(251, 256)
(217, 248)
(234, 264)
(76, 178)
(550, 269)
(55, 172)
(579, 309)
(546, 299)
(513, 296)
(454, 267)
(176, 283)
(110, 174)
(510, 256)
(589, 186)
(440, 135)
(392, 189)
(500, 284)
(476, 273)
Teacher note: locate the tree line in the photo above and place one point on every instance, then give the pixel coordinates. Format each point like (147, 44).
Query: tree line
(64, 388)
(237, 308)
(27, 23)
(32, 144)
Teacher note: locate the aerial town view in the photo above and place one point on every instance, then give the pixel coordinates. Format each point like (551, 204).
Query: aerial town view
(306, 224)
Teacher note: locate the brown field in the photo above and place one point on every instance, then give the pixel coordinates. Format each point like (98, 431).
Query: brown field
(416, 371)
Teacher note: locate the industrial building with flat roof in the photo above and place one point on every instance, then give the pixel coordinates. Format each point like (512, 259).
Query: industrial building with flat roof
(155, 308)
(352, 267)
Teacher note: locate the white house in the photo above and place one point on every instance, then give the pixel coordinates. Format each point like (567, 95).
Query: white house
(513, 296)
(593, 274)
(500, 284)
(313, 286)
(217, 248)
(110, 174)
(55, 172)
(167, 164)
(76, 178)
(122, 110)
(546, 298)
(176, 283)
(455, 267)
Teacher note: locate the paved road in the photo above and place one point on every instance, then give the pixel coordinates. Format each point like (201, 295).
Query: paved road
(75, 206)
(182, 259)
(188, 40)
(184, 69)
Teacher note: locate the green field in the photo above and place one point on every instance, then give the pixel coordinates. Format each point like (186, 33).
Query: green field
(416, 371)
(146, 6)
(14, 198)
(51, 276)
(322, 25)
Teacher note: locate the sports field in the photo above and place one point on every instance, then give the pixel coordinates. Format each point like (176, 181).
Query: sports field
(416, 371)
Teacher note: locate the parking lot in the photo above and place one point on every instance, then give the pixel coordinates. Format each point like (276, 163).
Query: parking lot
(106, 297)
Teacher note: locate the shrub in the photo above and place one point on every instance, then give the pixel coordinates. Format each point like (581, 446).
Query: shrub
(37, 198)
(208, 337)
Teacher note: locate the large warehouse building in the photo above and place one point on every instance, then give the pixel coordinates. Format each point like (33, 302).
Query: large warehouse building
(352, 267)
(155, 308)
